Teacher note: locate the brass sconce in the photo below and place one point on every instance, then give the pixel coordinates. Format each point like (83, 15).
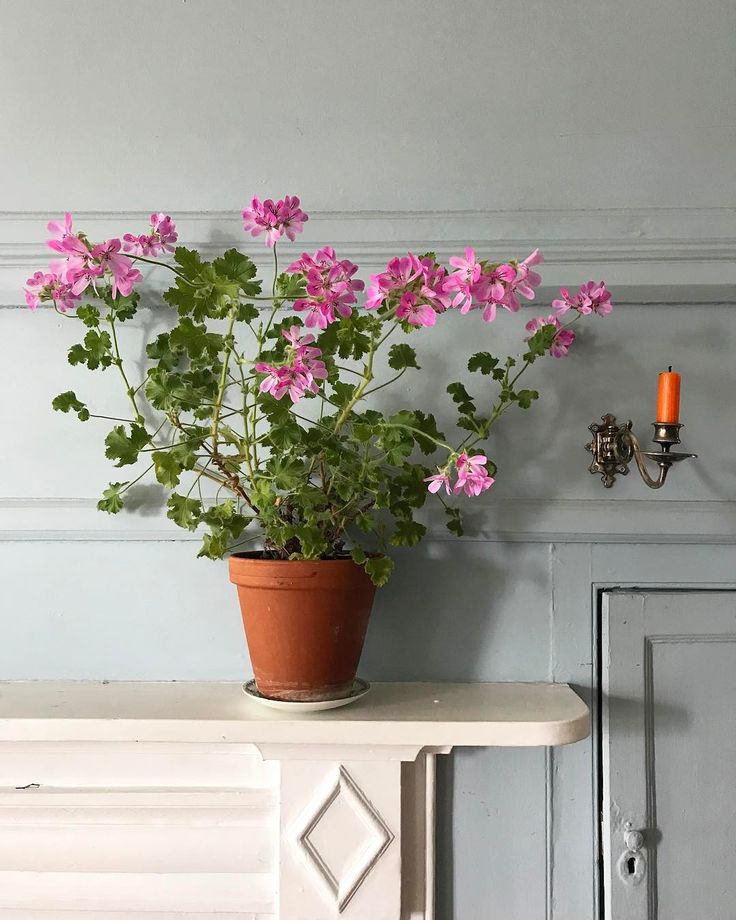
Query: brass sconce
(614, 446)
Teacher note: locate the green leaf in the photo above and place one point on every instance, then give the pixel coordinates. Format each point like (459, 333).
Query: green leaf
(526, 397)
(342, 392)
(247, 313)
(539, 344)
(358, 554)
(124, 447)
(455, 521)
(184, 454)
(401, 356)
(123, 307)
(112, 500)
(89, 315)
(427, 424)
(462, 398)
(226, 517)
(188, 260)
(67, 401)
(214, 545)
(290, 286)
(379, 569)
(167, 469)
(95, 352)
(287, 472)
(184, 511)
(195, 340)
(482, 361)
(408, 533)
(237, 267)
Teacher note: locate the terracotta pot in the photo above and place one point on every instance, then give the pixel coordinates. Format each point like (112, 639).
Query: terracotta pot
(305, 623)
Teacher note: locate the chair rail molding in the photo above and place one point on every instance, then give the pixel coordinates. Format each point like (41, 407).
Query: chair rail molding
(651, 255)
(540, 520)
(182, 799)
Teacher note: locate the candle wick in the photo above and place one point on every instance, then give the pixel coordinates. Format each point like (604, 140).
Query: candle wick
(670, 368)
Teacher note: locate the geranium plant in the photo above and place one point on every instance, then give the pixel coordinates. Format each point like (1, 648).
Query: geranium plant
(267, 393)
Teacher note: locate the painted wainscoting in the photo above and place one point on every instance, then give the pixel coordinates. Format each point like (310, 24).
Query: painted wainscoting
(87, 596)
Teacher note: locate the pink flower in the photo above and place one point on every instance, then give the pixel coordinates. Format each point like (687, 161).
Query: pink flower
(467, 270)
(472, 475)
(320, 314)
(486, 289)
(433, 288)
(414, 311)
(330, 284)
(560, 345)
(437, 481)
(300, 375)
(274, 218)
(296, 339)
(322, 260)
(161, 238)
(61, 234)
(108, 258)
(590, 298)
(526, 279)
(51, 286)
(401, 272)
(461, 281)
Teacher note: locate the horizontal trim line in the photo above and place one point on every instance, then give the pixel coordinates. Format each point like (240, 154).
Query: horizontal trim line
(523, 520)
(642, 252)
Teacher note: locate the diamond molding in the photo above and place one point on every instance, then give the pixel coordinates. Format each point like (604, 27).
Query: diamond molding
(342, 886)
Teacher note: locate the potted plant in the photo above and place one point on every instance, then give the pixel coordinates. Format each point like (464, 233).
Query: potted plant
(268, 397)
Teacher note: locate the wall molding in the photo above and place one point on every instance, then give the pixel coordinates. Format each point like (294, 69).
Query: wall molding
(521, 520)
(651, 255)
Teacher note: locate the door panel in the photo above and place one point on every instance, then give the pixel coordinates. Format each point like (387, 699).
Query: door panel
(669, 755)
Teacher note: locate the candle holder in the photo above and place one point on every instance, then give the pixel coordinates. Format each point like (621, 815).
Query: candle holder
(614, 446)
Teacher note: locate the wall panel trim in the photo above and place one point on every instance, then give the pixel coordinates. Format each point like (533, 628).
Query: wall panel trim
(522, 520)
(651, 255)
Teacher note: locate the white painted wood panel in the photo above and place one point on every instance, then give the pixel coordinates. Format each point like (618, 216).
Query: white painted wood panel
(392, 715)
(338, 822)
(669, 746)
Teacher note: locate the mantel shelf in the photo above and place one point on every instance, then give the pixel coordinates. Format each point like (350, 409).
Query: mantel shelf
(392, 714)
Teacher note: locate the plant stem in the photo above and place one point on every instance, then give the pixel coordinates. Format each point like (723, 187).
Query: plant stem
(118, 361)
(223, 377)
(387, 383)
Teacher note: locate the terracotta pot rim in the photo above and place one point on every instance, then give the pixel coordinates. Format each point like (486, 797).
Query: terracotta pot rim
(255, 569)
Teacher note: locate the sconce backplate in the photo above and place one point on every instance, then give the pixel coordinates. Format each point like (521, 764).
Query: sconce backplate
(611, 448)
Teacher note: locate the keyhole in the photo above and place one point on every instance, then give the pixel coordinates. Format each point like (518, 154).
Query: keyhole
(631, 865)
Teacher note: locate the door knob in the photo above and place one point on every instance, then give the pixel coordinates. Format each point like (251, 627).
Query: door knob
(634, 840)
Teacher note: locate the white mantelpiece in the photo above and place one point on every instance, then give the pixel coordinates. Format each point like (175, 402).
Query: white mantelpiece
(184, 800)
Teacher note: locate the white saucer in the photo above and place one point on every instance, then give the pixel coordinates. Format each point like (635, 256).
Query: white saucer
(358, 690)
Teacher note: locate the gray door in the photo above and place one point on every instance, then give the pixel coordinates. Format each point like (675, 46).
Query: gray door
(669, 755)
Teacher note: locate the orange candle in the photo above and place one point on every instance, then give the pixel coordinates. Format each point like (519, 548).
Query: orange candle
(668, 397)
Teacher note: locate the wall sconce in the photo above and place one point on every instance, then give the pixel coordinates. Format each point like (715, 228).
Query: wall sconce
(614, 446)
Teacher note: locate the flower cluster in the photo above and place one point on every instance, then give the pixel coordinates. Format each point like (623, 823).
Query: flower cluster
(481, 285)
(300, 374)
(563, 339)
(415, 286)
(330, 284)
(472, 476)
(84, 264)
(51, 286)
(274, 218)
(159, 239)
(420, 288)
(592, 297)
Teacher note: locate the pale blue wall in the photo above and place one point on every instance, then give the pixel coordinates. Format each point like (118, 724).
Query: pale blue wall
(563, 109)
